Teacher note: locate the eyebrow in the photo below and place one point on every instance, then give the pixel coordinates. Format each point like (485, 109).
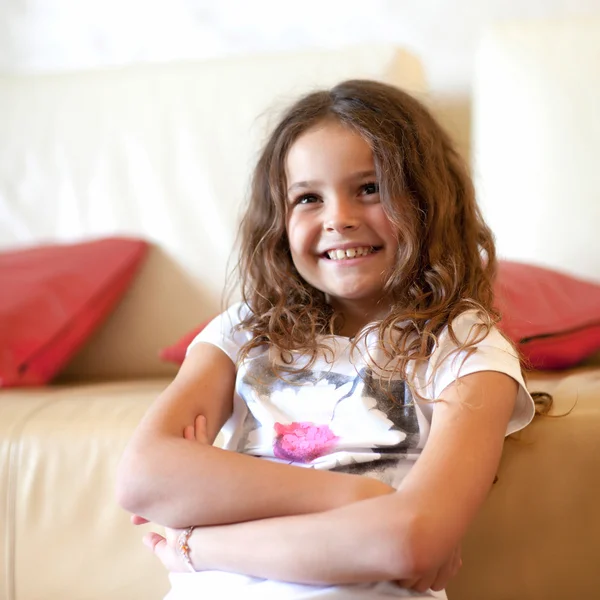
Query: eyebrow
(315, 183)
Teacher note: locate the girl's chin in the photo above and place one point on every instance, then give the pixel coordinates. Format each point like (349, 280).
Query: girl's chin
(361, 299)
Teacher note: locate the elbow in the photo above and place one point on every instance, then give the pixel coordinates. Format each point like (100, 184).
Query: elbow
(149, 481)
(131, 493)
(411, 552)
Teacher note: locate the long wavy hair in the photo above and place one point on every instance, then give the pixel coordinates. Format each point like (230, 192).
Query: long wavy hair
(446, 258)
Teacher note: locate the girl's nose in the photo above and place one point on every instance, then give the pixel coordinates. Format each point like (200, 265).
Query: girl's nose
(341, 215)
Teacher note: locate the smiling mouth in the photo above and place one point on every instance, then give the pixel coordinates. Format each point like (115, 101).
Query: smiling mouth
(339, 254)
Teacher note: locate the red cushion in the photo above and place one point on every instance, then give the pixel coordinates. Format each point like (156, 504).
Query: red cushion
(176, 352)
(552, 317)
(53, 297)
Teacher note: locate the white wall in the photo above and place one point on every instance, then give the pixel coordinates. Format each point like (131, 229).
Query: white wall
(57, 35)
(49, 35)
(536, 138)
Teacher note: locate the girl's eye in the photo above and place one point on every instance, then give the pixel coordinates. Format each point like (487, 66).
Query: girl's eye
(307, 199)
(370, 188)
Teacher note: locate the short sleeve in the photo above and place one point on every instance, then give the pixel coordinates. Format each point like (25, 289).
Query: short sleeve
(221, 332)
(492, 353)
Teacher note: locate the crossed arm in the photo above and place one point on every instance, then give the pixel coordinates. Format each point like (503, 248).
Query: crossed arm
(168, 480)
(305, 525)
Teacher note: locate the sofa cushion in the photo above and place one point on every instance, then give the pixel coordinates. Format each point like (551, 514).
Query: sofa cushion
(176, 352)
(554, 318)
(54, 297)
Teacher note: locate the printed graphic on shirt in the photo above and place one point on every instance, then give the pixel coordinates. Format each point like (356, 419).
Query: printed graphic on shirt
(303, 442)
(328, 420)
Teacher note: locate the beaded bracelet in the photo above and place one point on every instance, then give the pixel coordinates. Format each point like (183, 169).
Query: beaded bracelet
(184, 548)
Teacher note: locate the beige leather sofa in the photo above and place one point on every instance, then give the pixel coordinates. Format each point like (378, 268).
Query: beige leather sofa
(61, 534)
(64, 537)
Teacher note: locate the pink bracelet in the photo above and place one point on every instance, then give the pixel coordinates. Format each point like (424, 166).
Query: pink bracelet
(184, 547)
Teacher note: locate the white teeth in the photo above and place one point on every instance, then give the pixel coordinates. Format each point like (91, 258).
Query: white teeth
(349, 253)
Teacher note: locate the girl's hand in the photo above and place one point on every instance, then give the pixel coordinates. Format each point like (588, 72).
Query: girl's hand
(436, 580)
(197, 431)
(166, 549)
(137, 520)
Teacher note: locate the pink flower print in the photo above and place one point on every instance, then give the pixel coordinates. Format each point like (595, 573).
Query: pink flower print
(302, 442)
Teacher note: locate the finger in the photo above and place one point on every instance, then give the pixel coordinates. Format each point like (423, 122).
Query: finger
(457, 565)
(163, 551)
(201, 433)
(419, 584)
(152, 539)
(456, 561)
(444, 575)
(189, 433)
(406, 583)
(137, 520)
(424, 584)
(172, 535)
(447, 571)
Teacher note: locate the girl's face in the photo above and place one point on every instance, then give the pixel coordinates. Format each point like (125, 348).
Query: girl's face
(341, 240)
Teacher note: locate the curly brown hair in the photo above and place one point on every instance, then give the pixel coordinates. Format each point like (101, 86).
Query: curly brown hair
(446, 259)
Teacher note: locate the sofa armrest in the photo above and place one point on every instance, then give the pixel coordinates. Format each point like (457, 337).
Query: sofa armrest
(62, 534)
(536, 537)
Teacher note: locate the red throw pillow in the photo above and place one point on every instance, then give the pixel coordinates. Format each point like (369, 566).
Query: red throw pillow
(552, 317)
(53, 297)
(176, 352)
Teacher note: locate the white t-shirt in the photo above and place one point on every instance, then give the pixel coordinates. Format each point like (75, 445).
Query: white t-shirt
(335, 417)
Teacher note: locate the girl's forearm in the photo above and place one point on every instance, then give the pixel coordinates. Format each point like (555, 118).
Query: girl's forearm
(352, 544)
(179, 483)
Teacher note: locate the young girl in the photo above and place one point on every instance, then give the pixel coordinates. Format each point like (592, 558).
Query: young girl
(363, 364)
